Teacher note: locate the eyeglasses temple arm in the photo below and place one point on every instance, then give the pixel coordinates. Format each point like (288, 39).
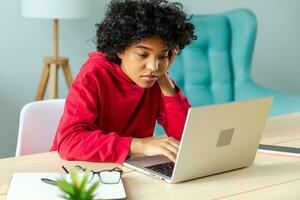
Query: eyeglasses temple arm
(49, 181)
(65, 169)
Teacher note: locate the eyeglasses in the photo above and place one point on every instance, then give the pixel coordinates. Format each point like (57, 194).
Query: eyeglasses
(108, 176)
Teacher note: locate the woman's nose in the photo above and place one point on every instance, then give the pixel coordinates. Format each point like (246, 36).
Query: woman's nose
(152, 65)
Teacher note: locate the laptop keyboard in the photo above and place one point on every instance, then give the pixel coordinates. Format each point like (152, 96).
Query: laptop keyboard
(163, 168)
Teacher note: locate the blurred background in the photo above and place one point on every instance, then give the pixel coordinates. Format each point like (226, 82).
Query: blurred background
(24, 42)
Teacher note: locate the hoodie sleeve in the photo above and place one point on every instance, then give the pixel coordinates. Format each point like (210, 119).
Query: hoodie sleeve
(77, 137)
(173, 112)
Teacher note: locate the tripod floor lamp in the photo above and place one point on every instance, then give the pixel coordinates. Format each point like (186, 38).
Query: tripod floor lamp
(54, 9)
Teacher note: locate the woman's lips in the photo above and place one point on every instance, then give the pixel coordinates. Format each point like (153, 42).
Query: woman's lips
(149, 78)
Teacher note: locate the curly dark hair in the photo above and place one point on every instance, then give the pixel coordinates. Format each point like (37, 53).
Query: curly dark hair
(130, 21)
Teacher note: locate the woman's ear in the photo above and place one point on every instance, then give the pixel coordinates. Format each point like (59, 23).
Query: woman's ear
(120, 55)
(176, 49)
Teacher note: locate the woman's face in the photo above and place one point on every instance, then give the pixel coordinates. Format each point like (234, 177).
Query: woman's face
(145, 61)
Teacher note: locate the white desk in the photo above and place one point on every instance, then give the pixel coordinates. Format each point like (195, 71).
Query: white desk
(271, 176)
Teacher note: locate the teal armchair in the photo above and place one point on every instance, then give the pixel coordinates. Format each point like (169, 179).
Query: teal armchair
(216, 67)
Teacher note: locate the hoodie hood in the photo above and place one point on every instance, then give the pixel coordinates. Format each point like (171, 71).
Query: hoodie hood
(99, 58)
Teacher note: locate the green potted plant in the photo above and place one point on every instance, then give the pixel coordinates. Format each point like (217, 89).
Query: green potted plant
(77, 187)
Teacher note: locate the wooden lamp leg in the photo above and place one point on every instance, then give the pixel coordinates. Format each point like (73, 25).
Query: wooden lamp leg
(43, 82)
(53, 81)
(50, 74)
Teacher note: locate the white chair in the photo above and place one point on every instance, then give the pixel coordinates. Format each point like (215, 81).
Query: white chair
(38, 124)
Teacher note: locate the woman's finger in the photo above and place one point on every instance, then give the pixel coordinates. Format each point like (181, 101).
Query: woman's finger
(171, 148)
(174, 142)
(173, 56)
(168, 154)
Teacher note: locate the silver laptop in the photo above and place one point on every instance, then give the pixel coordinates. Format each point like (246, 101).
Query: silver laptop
(216, 138)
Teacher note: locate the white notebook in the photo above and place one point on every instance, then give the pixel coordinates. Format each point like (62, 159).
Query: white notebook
(28, 186)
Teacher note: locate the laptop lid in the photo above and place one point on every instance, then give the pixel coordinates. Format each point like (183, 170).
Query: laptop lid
(220, 138)
(216, 138)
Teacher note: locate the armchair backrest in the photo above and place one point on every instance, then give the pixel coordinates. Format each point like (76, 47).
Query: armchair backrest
(211, 68)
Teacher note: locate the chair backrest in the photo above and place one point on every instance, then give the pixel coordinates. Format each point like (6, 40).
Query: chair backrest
(209, 70)
(38, 123)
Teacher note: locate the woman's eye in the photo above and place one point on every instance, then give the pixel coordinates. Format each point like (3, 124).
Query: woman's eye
(164, 57)
(142, 55)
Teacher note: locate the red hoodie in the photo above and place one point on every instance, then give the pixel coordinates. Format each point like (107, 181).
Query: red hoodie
(105, 109)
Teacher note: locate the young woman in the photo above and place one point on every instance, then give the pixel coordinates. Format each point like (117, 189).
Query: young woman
(124, 87)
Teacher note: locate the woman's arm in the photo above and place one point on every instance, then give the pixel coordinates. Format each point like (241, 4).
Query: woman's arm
(77, 137)
(173, 111)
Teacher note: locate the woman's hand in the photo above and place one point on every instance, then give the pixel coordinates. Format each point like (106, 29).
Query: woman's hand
(166, 85)
(150, 146)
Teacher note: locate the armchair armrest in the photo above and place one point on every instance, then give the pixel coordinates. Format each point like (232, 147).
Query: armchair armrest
(283, 102)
